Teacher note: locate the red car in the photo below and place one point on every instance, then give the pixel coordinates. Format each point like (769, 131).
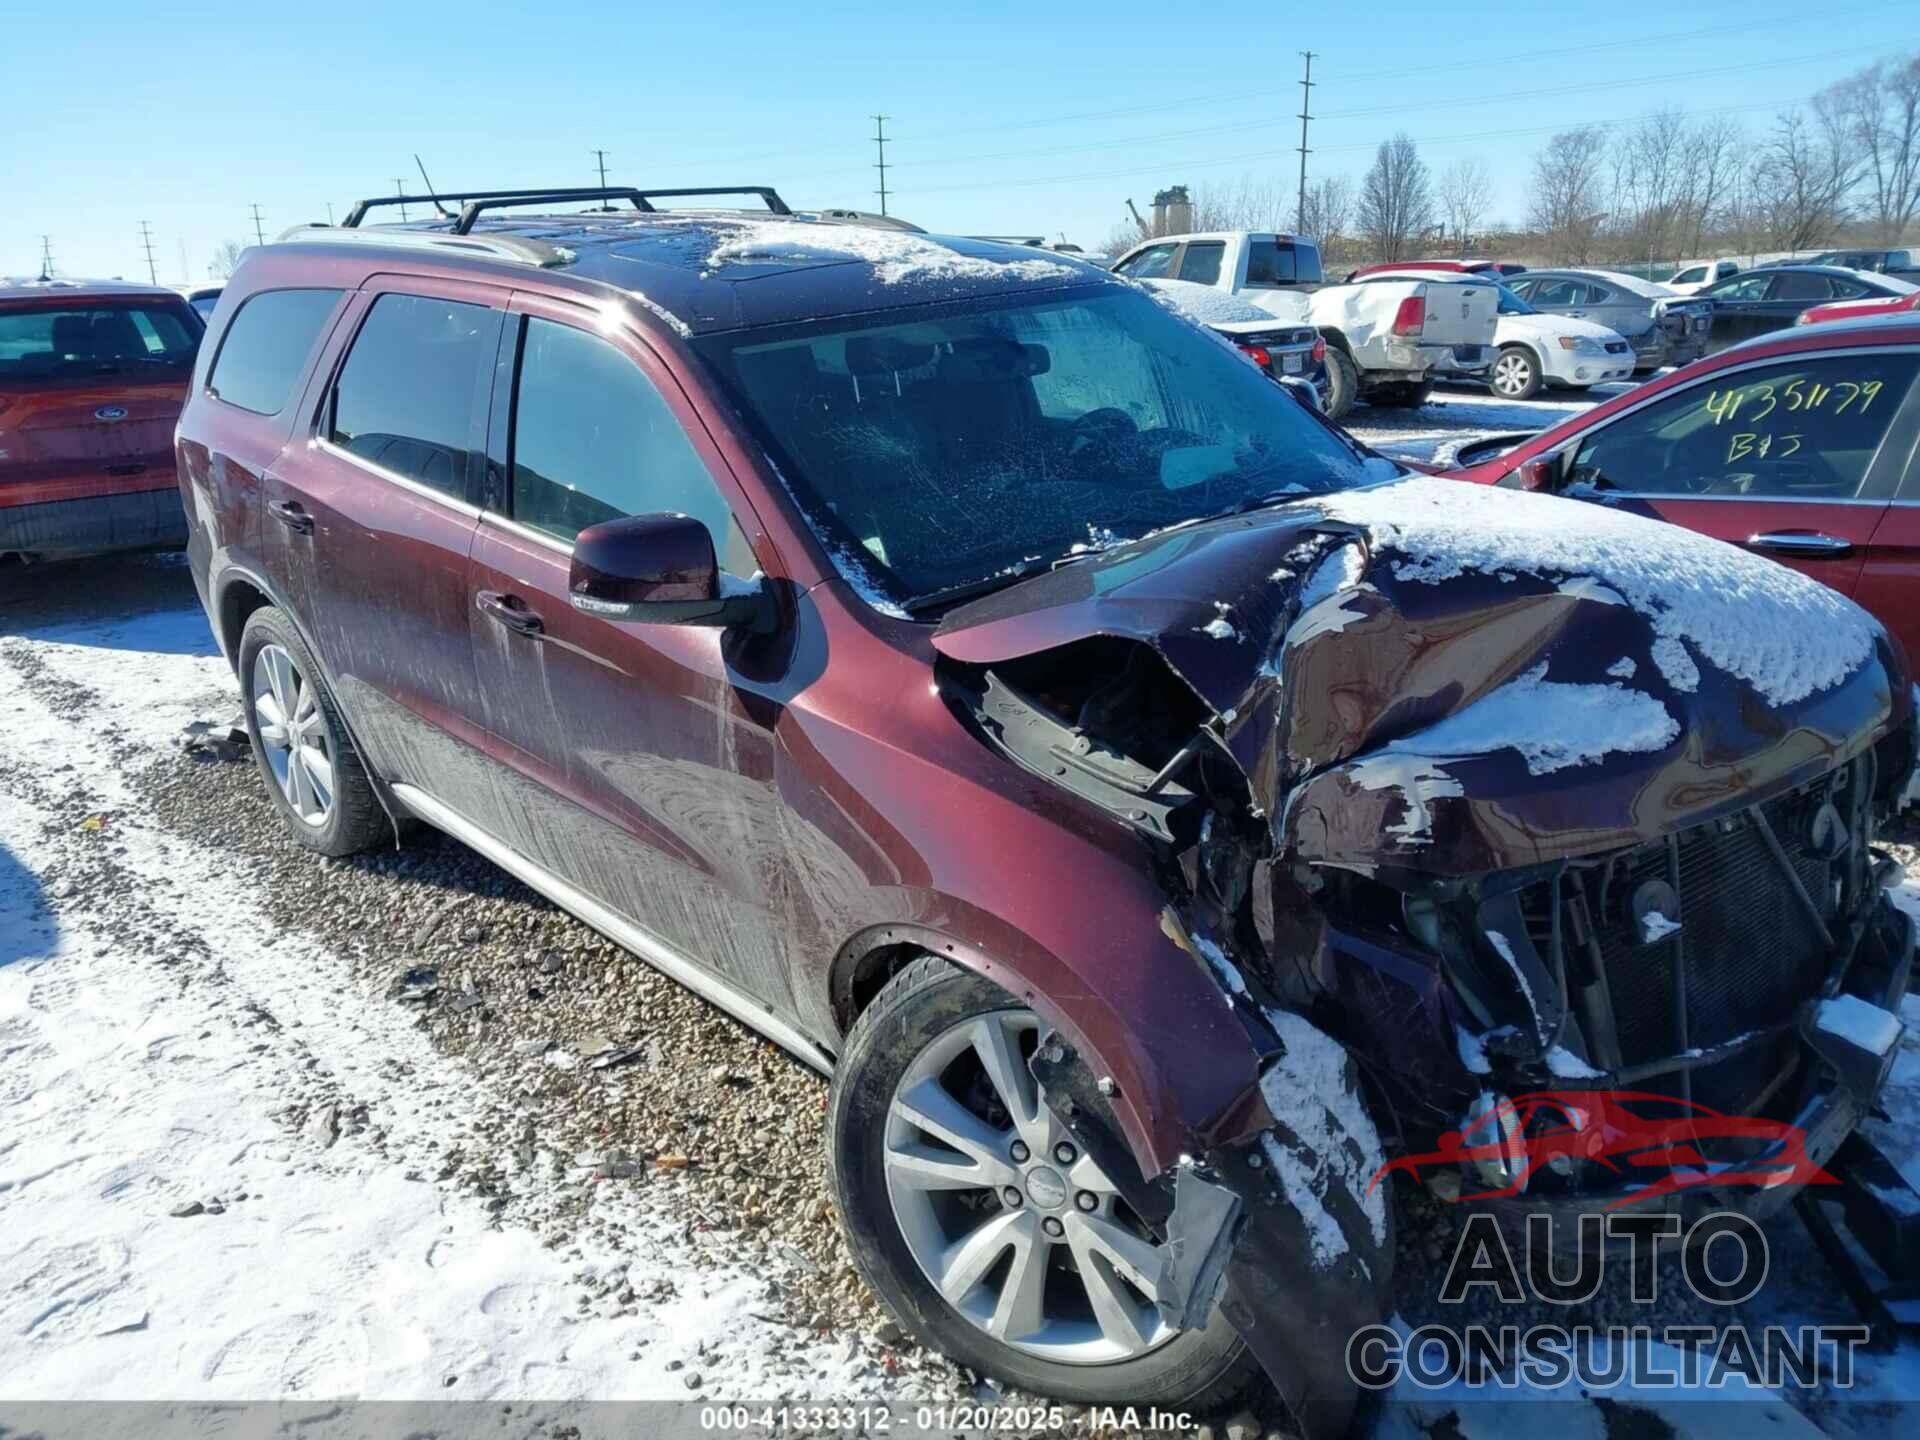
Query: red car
(1856, 309)
(92, 378)
(1799, 445)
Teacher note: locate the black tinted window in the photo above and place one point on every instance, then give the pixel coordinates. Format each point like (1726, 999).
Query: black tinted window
(1269, 263)
(405, 397)
(1798, 285)
(593, 440)
(1807, 430)
(266, 348)
(1200, 262)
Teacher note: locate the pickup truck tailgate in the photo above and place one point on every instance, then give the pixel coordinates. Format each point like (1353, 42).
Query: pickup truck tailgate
(1460, 314)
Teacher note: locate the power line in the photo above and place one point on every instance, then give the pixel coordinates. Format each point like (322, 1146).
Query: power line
(146, 239)
(880, 140)
(46, 257)
(1306, 105)
(259, 234)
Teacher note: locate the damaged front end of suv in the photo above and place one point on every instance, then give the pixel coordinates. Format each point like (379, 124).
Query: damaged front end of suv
(1455, 805)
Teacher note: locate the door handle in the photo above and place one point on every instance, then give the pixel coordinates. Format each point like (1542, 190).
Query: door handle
(1806, 543)
(293, 515)
(510, 611)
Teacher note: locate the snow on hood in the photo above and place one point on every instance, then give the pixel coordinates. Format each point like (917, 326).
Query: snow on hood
(1700, 595)
(1547, 327)
(1205, 305)
(896, 256)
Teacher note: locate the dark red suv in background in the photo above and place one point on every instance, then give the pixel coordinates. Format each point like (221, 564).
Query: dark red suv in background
(92, 377)
(985, 684)
(1803, 446)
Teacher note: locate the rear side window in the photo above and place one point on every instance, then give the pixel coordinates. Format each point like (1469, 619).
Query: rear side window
(1797, 285)
(1277, 262)
(593, 440)
(1200, 262)
(1807, 430)
(266, 348)
(405, 397)
(92, 339)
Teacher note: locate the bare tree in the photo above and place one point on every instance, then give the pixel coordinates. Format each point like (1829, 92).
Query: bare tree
(1395, 207)
(1653, 180)
(1799, 181)
(226, 259)
(1329, 210)
(1719, 147)
(1565, 201)
(1466, 194)
(1248, 203)
(1877, 112)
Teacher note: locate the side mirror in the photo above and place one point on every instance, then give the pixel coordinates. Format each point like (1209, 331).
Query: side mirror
(1542, 473)
(661, 569)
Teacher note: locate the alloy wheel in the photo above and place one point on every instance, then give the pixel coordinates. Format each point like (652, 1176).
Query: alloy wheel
(1022, 1233)
(293, 735)
(1512, 374)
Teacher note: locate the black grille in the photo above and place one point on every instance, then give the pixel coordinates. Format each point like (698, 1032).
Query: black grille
(1748, 950)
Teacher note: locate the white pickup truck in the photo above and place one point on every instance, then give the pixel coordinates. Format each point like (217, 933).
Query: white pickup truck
(1385, 340)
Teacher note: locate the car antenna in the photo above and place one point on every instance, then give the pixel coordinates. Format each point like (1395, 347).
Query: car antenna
(430, 190)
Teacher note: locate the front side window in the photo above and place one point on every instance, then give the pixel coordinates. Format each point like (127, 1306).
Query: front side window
(405, 397)
(93, 338)
(1149, 264)
(1690, 277)
(961, 446)
(1200, 262)
(1808, 430)
(1745, 288)
(266, 348)
(593, 440)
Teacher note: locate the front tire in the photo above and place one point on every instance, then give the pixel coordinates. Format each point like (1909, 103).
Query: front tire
(1516, 374)
(979, 1224)
(300, 743)
(1343, 382)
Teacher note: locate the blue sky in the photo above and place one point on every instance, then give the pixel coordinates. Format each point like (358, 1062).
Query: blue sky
(1006, 118)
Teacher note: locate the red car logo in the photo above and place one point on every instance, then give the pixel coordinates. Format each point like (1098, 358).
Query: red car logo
(1676, 1144)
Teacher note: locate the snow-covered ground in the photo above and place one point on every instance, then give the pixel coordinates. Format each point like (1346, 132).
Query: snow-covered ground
(1455, 414)
(166, 1043)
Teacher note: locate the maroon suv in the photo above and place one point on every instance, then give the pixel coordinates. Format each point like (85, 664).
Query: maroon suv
(92, 376)
(985, 684)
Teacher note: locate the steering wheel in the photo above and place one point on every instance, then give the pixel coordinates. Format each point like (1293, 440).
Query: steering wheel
(1100, 427)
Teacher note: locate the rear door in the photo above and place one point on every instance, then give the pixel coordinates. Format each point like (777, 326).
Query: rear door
(648, 776)
(386, 478)
(1200, 261)
(1791, 458)
(1890, 578)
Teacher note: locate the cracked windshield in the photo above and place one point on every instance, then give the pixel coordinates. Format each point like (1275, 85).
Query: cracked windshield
(961, 449)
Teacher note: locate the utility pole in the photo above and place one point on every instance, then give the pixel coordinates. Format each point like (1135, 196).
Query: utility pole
(329, 212)
(601, 157)
(1306, 107)
(400, 188)
(880, 140)
(46, 257)
(146, 239)
(259, 234)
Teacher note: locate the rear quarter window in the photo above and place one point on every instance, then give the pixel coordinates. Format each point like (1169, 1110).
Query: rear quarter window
(266, 347)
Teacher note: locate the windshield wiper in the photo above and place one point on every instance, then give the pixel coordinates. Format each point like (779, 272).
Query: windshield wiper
(968, 589)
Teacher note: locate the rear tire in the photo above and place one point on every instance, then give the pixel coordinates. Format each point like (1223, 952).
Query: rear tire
(899, 1047)
(1515, 374)
(1343, 382)
(1401, 395)
(311, 770)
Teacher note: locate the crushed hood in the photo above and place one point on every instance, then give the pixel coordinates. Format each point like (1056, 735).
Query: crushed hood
(1452, 678)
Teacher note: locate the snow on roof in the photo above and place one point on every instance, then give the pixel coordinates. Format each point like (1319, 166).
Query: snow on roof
(1204, 305)
(895, 255)
(1632, 283)
(1787, 636)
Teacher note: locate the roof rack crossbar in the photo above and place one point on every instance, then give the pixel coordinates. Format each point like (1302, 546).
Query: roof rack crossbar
(588, 192)
(766, 192)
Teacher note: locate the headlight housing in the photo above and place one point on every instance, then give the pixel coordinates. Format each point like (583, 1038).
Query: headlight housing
(1581, 344)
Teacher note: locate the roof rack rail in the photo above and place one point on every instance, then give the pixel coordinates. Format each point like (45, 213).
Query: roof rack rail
(517, 248)
(473, 202)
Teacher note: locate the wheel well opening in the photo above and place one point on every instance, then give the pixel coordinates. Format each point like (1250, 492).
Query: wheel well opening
(237, 602)
(866, 976)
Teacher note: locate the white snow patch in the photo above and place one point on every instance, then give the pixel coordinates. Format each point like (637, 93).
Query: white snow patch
(1655, 927)
(1859, 1021)
(1308, 1091)
(1419, 783)
(895, 255)
(1554, 726)
(1569, 1066)
(1220, 628)
(1204, 304)
(1473, 1051)
(1228, 972)
(1785, 635)
(1623, 668)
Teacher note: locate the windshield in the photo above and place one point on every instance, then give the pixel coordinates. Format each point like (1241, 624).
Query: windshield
(964, 446)
(56, 342)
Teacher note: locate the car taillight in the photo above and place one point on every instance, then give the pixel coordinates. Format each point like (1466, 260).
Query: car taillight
(1410, 317)
(1259, 355)
(1319, 349)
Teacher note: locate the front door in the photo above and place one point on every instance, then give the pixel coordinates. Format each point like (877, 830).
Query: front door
(648, 770)
(387, 478)
(1795, 459)
(1739, 308)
